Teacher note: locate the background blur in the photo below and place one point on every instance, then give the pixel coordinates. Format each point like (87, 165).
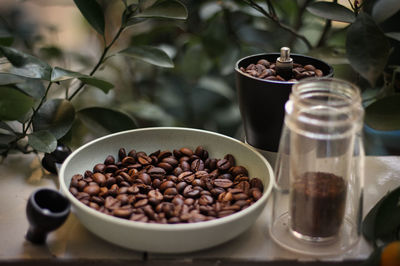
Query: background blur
(199, 91)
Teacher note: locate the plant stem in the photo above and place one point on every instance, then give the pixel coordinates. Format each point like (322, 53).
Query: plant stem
(276, 20)
(327, 28)
(99, 62)
(299, 20)
(36, 110)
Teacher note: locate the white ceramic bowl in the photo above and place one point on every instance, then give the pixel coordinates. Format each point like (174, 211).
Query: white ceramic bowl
(166, 238)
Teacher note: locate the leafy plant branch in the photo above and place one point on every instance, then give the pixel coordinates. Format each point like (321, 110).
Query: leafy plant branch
(44, 122)
(101, 60)
(270, 14)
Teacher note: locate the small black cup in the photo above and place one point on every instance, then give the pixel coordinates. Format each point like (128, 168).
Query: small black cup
(46, 210)
(262, 102)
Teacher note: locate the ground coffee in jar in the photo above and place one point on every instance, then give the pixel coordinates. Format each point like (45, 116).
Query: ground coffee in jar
(317, 204)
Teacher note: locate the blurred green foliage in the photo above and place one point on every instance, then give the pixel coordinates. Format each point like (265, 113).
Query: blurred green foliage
(171, 63)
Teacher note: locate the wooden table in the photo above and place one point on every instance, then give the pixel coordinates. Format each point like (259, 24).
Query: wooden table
(72, 244)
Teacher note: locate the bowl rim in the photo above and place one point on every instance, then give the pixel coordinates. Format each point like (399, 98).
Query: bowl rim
(164, 227)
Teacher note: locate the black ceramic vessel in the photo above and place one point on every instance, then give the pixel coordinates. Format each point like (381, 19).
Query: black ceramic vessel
(46, 210)
(262, 101)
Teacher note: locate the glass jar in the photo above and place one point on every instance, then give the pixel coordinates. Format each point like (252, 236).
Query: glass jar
(317, 208)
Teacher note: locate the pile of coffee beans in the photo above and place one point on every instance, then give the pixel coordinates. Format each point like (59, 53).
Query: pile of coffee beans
(266, 70)
(183, 186)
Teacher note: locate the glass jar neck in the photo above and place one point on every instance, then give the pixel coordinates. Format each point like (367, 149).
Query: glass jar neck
(324, 108)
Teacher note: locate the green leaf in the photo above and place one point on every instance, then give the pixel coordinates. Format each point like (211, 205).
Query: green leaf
(149, 54)
(60, 74)
(26, 65)
(393, 35)
(332, 11)
(98, 83)
(56, 116)
(6, 138)
(384, 9)
(13, 103)
(217, 86)
(32, 87)
(42, 141)
(4, 125)
(384, 114)
(170, 9)
(367, 48)
(383, 220)
(93, 13)
(195, 62)
(104, 121)
(8, 78)
(148, 113)
(133, 21)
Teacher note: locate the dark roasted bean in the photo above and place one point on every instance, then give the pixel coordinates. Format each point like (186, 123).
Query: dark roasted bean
(223, 183)
(223, 165)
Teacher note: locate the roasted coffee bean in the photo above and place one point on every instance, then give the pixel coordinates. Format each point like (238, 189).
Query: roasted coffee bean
(223, 165)
(139, 218)
(191, 192)
(231, 159)
(185, 166)
(206, 200)
(201, 152)
(186, 152)
(265, 70)
(166, 184)
(225, 197)
(238, 170)
(145, 178)
(182, 186)
(74, 191)
(244, 185)
(171, 191)
(256, 183)
(132, 153)
(128, 160)
(157, 172)
(172, 178)
(121, 154)
(171, 160)
(186, 176)
(99, 178)
(240, 196)
(87, 173)
(177, 171)
(155, 194)
(263, 62)
(223, 183)
(109, 160)
(197, 165)
(123, 213)
(166, 166)
(99, 168)
(144, 160)
(255, 193)
(141, 203)
(111, 168)
(92, 190)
